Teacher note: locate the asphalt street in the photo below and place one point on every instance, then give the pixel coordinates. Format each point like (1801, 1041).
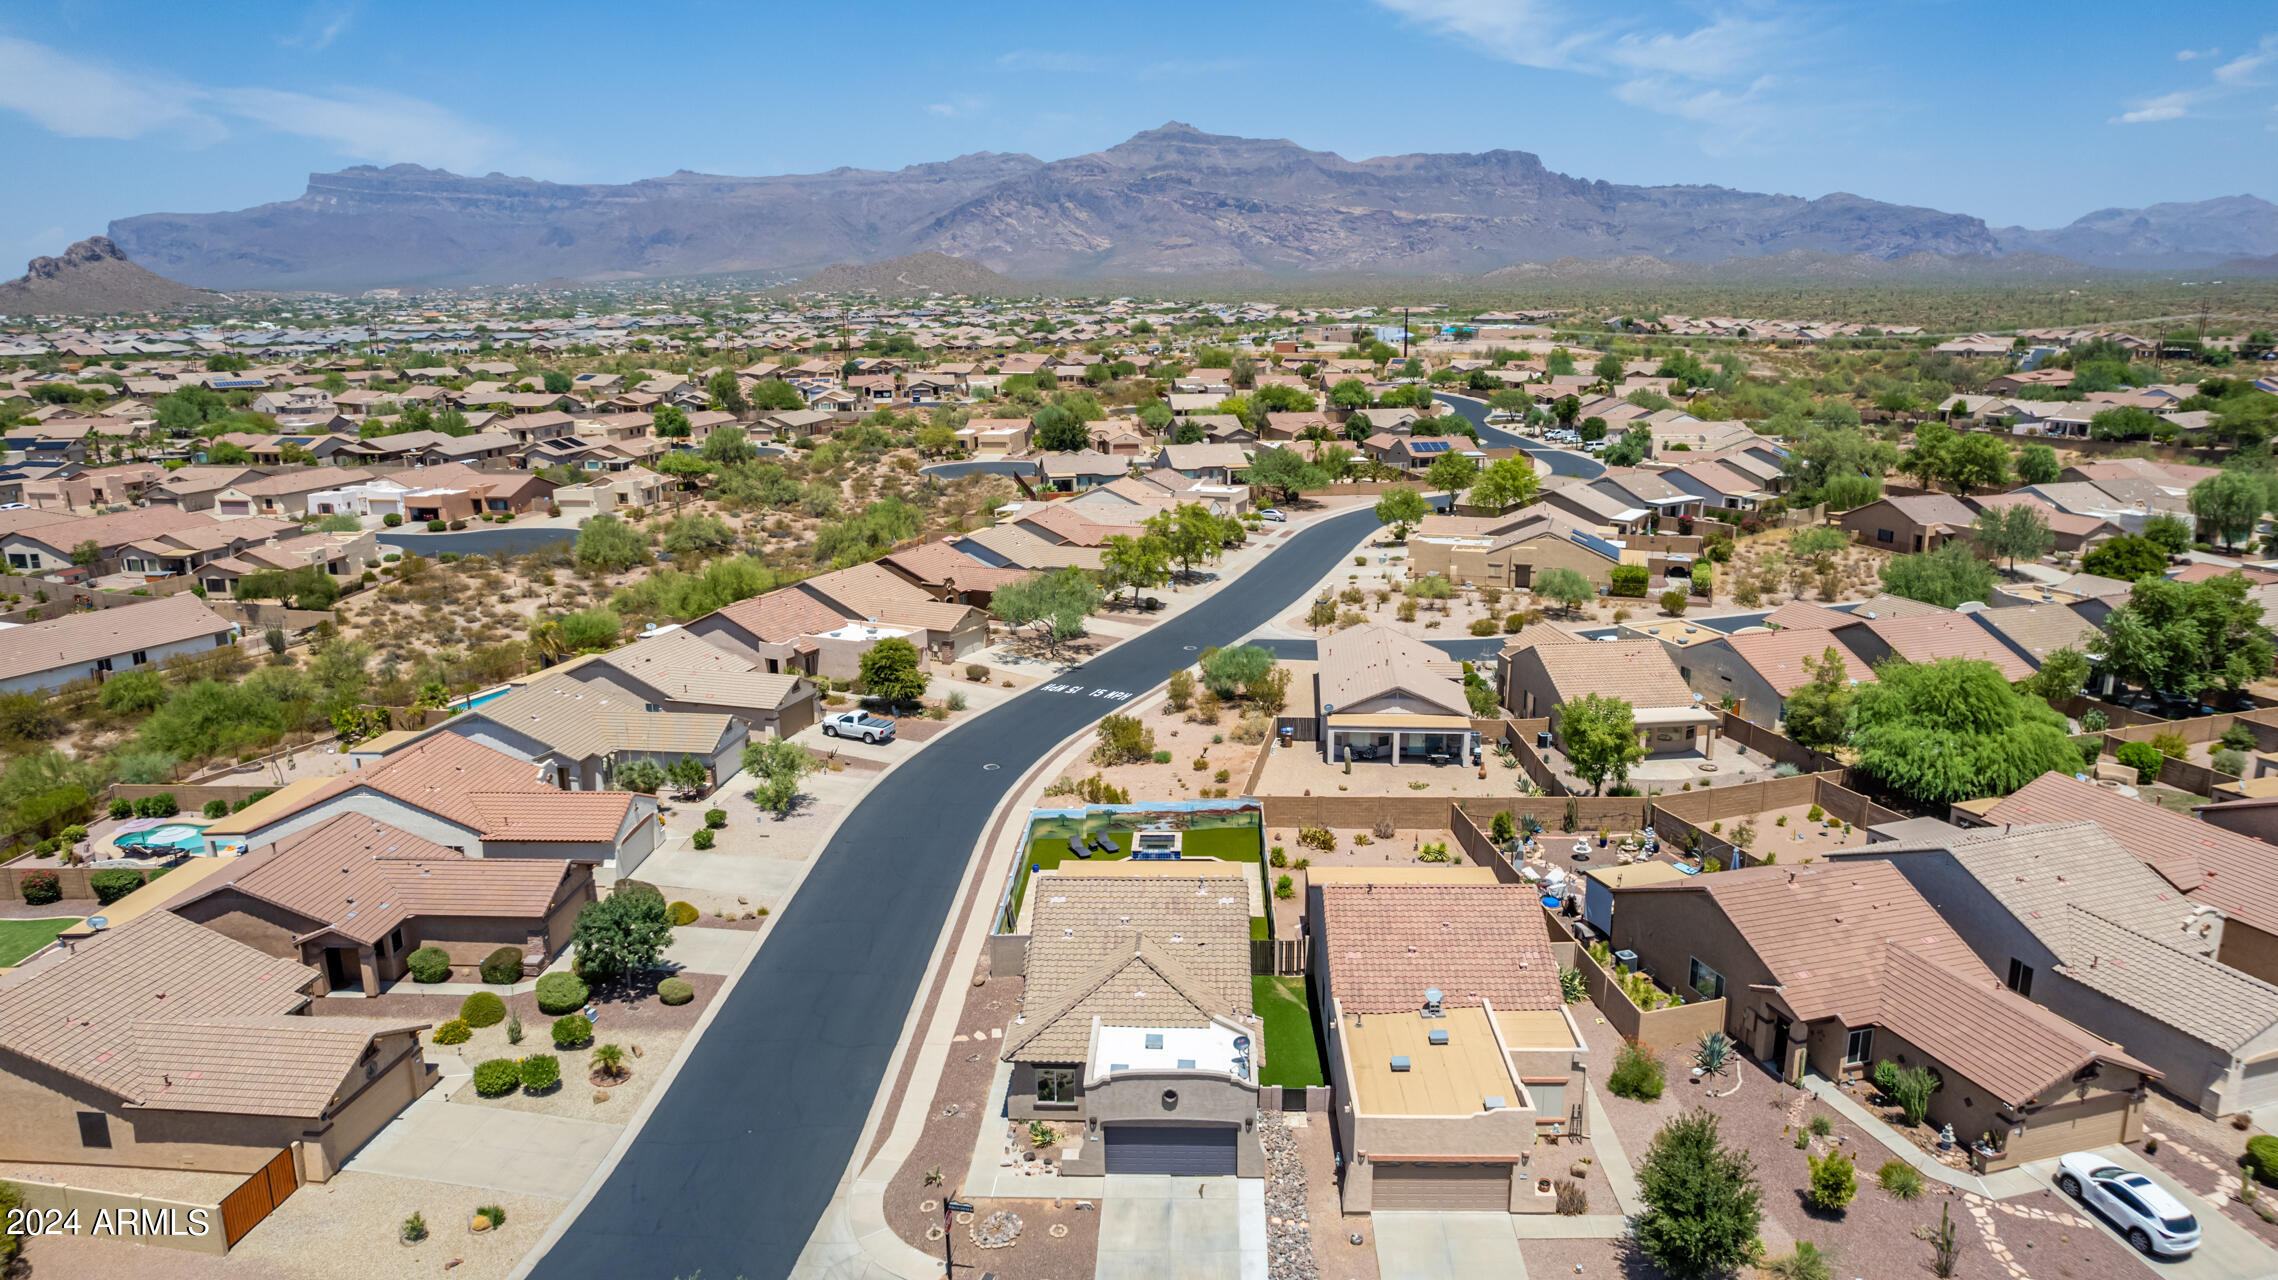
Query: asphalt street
(740, 1158)
(1559, 461)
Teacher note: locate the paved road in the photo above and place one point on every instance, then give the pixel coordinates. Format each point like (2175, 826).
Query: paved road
(507, 539)
(738, 1162)
(1560, 461)
(977, 466)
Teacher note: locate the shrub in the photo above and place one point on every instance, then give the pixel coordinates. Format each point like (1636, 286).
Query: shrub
(158, 806)
(540, 1072)
(2142, 757)
(1628, 580)
(1514, 623)
(497, 1077)
(429, 964)
(703, 839)
(456, 1031)
(113, 883)
(1638, 1073)
(492, 1216)
(1123, 740)
(1900, 1179)
(1821, 1126)
(1317, 838)
(1815, 814)
(1285, 888)
(1911, 1089)
(572, 1031)
(414, 1229)
(1808, 1262)
(514, 1029)
(1162, 757)
(1483, 626)
(975, 672)
(2229, 761)
(675, 991)
(503, 967)
(1573, 1200)
(438, 526)
(2261, 1158)
(1181, 689)
(122, 808)
(215, 809)
(2171, 745)
(560, 993)
(482, 1009)
(1703, 1205)
(715, 818)
(1277, 857)
(1834, 1181)
(684, 913)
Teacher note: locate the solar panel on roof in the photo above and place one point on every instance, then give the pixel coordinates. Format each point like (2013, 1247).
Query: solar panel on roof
(1427, 446)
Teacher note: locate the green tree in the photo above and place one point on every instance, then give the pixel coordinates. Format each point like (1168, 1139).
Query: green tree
(1506, 483)
(2062, 676)
(2229, 504)
(2126, 557)
(1815, 712)
(695, 532)
(133, 693)
(621, 935)
(1402, 508)
(727, 447)
(890, 670)
(607, 544)
(87, 554)
(591, 630)
(1451, 472)
(1703, 1206)
(2037, 464)
(1054, 604)
(1285, 472)
(1226, 672)
(1567, 586)
(2188, 637)
(1135, 562)
(1930, 460)
(773, 395)
(1056, 430)
(556, 382)
(1599, 735)
(935, 441)
(1630, 450)
(776, 765)
(1190, 533)
(669, 422)
(2014, 531)
(1608, 369)
(1953, 730)
(2170, 532)
(1977, 461)
(1349, 393)
(726, 396)
(1945, 577)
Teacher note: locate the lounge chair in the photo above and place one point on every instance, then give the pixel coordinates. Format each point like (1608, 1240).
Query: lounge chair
(1105, 845)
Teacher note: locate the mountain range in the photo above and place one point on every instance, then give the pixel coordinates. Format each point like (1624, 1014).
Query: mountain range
(1169, 202)
(92, 278)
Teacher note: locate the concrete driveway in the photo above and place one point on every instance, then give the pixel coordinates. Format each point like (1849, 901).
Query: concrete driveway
(1166, 1228)
(2226, 1251)
(480, 1146)
(697, 950)
(1435, 1246)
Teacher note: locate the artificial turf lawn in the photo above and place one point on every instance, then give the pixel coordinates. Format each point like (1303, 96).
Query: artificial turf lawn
(1291, 1058)
(1227, 844)
(20, 938)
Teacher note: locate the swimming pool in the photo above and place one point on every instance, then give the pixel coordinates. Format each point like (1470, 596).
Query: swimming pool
(172, 836)
(478, 699)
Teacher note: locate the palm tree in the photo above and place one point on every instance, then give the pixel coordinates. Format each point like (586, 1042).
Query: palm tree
(609, 1062)
(547, 643)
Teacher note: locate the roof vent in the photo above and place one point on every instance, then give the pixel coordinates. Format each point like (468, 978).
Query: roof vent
(1492, 1102)
(1438, 1035)
(1154, 1039)
(1399, 1062)
(1432, 998)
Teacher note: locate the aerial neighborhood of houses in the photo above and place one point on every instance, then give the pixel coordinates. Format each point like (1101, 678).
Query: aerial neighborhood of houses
(1200, 788)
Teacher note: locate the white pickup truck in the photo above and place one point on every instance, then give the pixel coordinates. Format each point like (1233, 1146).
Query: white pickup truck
(858, 724)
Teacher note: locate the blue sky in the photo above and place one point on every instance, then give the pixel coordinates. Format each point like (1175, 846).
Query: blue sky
(2029, 112)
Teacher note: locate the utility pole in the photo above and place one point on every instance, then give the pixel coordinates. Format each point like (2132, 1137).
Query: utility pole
(949, 1236)
(1403, 334)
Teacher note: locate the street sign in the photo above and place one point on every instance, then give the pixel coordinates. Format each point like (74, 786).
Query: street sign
(957, 1206)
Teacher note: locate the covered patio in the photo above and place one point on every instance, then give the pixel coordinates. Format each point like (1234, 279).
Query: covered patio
(1398, 738)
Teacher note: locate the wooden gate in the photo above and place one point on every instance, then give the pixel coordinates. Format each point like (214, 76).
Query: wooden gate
(251, 1202)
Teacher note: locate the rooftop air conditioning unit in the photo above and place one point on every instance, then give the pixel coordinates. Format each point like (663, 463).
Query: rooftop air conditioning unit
(1437, 1036)
(1399, 1062)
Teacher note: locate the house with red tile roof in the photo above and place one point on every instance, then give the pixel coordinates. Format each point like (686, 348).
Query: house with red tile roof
(1759, 669)
(1930, 638)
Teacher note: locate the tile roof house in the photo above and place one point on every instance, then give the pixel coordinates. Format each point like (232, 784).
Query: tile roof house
(1539, 680)
(2073, 532)
(1835, 968)
(1380, 695)
(1917, 522)
(2080, 926)
(1134, 985)
(353, 897)
(947, 573)
(1930, 638)
(1448, 1041)
(462, 795)
(580, 733)
(163, 1044)
(2220, 868)
(2038, 630)
(676, 670)
(44, 656)
(1759, 669)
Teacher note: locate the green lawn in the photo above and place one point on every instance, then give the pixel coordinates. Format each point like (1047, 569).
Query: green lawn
(1227, 844)
(1291, 1059)
(20, 938)
(1261, 928)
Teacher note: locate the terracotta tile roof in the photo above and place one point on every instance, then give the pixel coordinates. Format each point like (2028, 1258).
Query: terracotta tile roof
(1387, 944)
(782, 616)
(1369, 662)
(360, 878)
(1022, 549)
(1199, 930)
(287, 1066)
(78, 639)
(484, 790)
(2235, 874)
(1640, 672)
(2042, 629)
(1143, 984)
(943, 565)
(1887, 606)
(2063, 522)
(1797, 614)
(871, 592)
(115, 529)
(1929, 639)
(1778, 656)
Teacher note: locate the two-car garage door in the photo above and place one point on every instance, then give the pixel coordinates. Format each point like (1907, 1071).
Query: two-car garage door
(1180, 1149)
(1434, 1188)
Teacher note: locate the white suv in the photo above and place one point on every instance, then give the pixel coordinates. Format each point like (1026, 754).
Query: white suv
(2154, 1221)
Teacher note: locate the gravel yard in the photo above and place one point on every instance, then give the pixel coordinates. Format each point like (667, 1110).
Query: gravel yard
(2202, 1154)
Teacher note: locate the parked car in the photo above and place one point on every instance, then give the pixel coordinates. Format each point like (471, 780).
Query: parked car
(2154, 1221)
(1273, 514)
(858, 724)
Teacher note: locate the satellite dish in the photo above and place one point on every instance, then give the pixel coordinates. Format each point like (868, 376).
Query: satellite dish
(98, 922)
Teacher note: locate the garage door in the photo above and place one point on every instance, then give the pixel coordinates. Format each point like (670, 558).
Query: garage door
(2071, 1126)
(1429, 1188)
(1183, 1149)
(2260, 1087)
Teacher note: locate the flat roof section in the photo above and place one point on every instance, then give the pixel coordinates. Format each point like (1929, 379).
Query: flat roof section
(1452, 1079)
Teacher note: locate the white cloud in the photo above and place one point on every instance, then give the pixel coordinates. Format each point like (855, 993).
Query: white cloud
(1046, 60)
(959, 104)
(940, 109)
(2247, 69)
(81, 99)
(320, 26)
(2186, 55)
(2167, 106)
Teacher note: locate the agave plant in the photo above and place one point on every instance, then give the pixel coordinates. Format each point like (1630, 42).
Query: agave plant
(1713, 1055)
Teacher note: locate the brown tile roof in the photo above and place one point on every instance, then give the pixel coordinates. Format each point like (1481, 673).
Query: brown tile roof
(869, 591)
(685, 668)
(118, 528)
(1073, 526)
(939, 564)
(782, 616)
(361, 878)
(285, 1066)
(2042, 629)
(1144, 984)
(2063, 522)
(1201, 927)
(1778, 656)
(1387, 944)
(1370, 662)
(482, 789)
(1929, 639)
(1799, 614)
(582, 719)
(81, 638)
(2235, 874)
(1998, 1039)
(1933, 509)
(1027, 551)
(1640, 672)
(1887, 606)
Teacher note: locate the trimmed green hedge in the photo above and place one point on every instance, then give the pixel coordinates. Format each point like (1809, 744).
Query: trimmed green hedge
(429, 964)
(540, 1072)
(113, 883)
(497, 1077)
(483, 1009)
(503, 966)
(675, 991)
(572, 1031)
(560, 993)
